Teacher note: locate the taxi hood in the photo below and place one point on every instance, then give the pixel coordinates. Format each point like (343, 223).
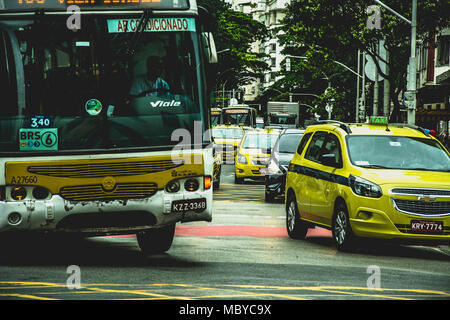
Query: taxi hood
(226, 141)
(411, 178)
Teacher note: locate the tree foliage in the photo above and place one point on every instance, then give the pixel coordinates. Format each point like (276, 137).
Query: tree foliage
(234, 33)
(327, 30)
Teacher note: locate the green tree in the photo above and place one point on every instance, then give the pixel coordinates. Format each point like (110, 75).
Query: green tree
(327, 30)
(234, 33)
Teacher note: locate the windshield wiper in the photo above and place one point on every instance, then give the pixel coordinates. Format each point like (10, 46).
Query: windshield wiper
(373, 166)
(145, 17)
(426, 169)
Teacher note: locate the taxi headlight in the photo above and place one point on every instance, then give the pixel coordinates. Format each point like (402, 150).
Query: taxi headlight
(273, 168)
(365, 188)
(241, 159)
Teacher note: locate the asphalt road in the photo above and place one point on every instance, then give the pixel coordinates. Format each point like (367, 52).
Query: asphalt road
(244, 253)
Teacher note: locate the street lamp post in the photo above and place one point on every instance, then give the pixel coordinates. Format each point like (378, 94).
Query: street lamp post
(329, 107)
(223, 93)
(410, 94)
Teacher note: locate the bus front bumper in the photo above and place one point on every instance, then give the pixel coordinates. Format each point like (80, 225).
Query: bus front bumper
(100, 217)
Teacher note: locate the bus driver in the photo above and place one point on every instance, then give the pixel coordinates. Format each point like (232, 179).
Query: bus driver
(150, 83)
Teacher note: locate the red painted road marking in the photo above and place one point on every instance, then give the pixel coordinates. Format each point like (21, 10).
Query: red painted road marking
(240, 231)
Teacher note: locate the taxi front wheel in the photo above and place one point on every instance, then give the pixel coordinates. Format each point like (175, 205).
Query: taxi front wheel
(341, 230)
(296, 228)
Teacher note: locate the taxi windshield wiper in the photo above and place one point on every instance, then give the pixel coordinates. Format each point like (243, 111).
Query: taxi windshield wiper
(373, 166)
(427, 169)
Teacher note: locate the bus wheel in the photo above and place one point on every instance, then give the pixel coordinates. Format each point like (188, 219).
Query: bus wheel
(156, 240)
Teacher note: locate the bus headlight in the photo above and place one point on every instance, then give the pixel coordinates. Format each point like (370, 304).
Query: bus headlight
(18, 193)
(40, 193)
(173, 186)
(191, 185)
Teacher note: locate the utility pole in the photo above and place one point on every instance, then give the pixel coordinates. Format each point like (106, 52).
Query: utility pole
(375, 90)
(387, 90)
(412, 68)
(362, 101)
(410, 94)
(357, 87)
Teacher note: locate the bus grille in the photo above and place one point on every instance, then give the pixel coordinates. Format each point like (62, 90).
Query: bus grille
(121, 191)
(96, 170)
(422, 207)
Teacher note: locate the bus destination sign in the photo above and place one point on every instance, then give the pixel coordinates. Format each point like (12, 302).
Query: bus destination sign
(25, 5)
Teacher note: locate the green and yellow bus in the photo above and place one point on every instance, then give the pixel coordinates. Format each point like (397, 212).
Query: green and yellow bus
(239, 115)
(92, 92)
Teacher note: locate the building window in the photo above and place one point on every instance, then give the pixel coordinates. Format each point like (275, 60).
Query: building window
(273, 62)
(273, 47)
(443, 51)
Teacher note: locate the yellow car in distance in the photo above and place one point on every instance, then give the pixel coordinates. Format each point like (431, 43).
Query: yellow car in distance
(372, 180)
(253, 154)
(226, 140)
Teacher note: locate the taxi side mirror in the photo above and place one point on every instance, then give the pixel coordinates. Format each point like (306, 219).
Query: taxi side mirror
(329, 160)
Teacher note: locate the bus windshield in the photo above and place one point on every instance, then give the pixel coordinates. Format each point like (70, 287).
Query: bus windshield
(227, 133)
(245, 116)
(282, 119)
(259, 141)
(103, 86)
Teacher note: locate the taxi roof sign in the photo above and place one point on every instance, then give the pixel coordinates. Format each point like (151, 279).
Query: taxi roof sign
(378, 120)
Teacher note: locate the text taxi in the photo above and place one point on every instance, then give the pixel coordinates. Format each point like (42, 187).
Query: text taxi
(253, 154)
(372, 181)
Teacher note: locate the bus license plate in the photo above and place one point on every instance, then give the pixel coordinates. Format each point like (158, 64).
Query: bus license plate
(189, 205)
(425, 226)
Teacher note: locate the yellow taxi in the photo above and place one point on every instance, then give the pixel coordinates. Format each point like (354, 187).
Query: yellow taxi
(372, 180)
(253, 154)
(226, 140)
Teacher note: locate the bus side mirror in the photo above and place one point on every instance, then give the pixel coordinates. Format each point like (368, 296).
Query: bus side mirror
(210, 47)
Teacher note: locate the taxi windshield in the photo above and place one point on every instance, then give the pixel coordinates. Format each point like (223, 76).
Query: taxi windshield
(227, 133)
(98, 88)
(259, 141)
(397, 152)
(288, 143)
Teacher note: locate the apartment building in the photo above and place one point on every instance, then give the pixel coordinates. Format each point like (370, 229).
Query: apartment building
(269, 12)
(433, 83)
